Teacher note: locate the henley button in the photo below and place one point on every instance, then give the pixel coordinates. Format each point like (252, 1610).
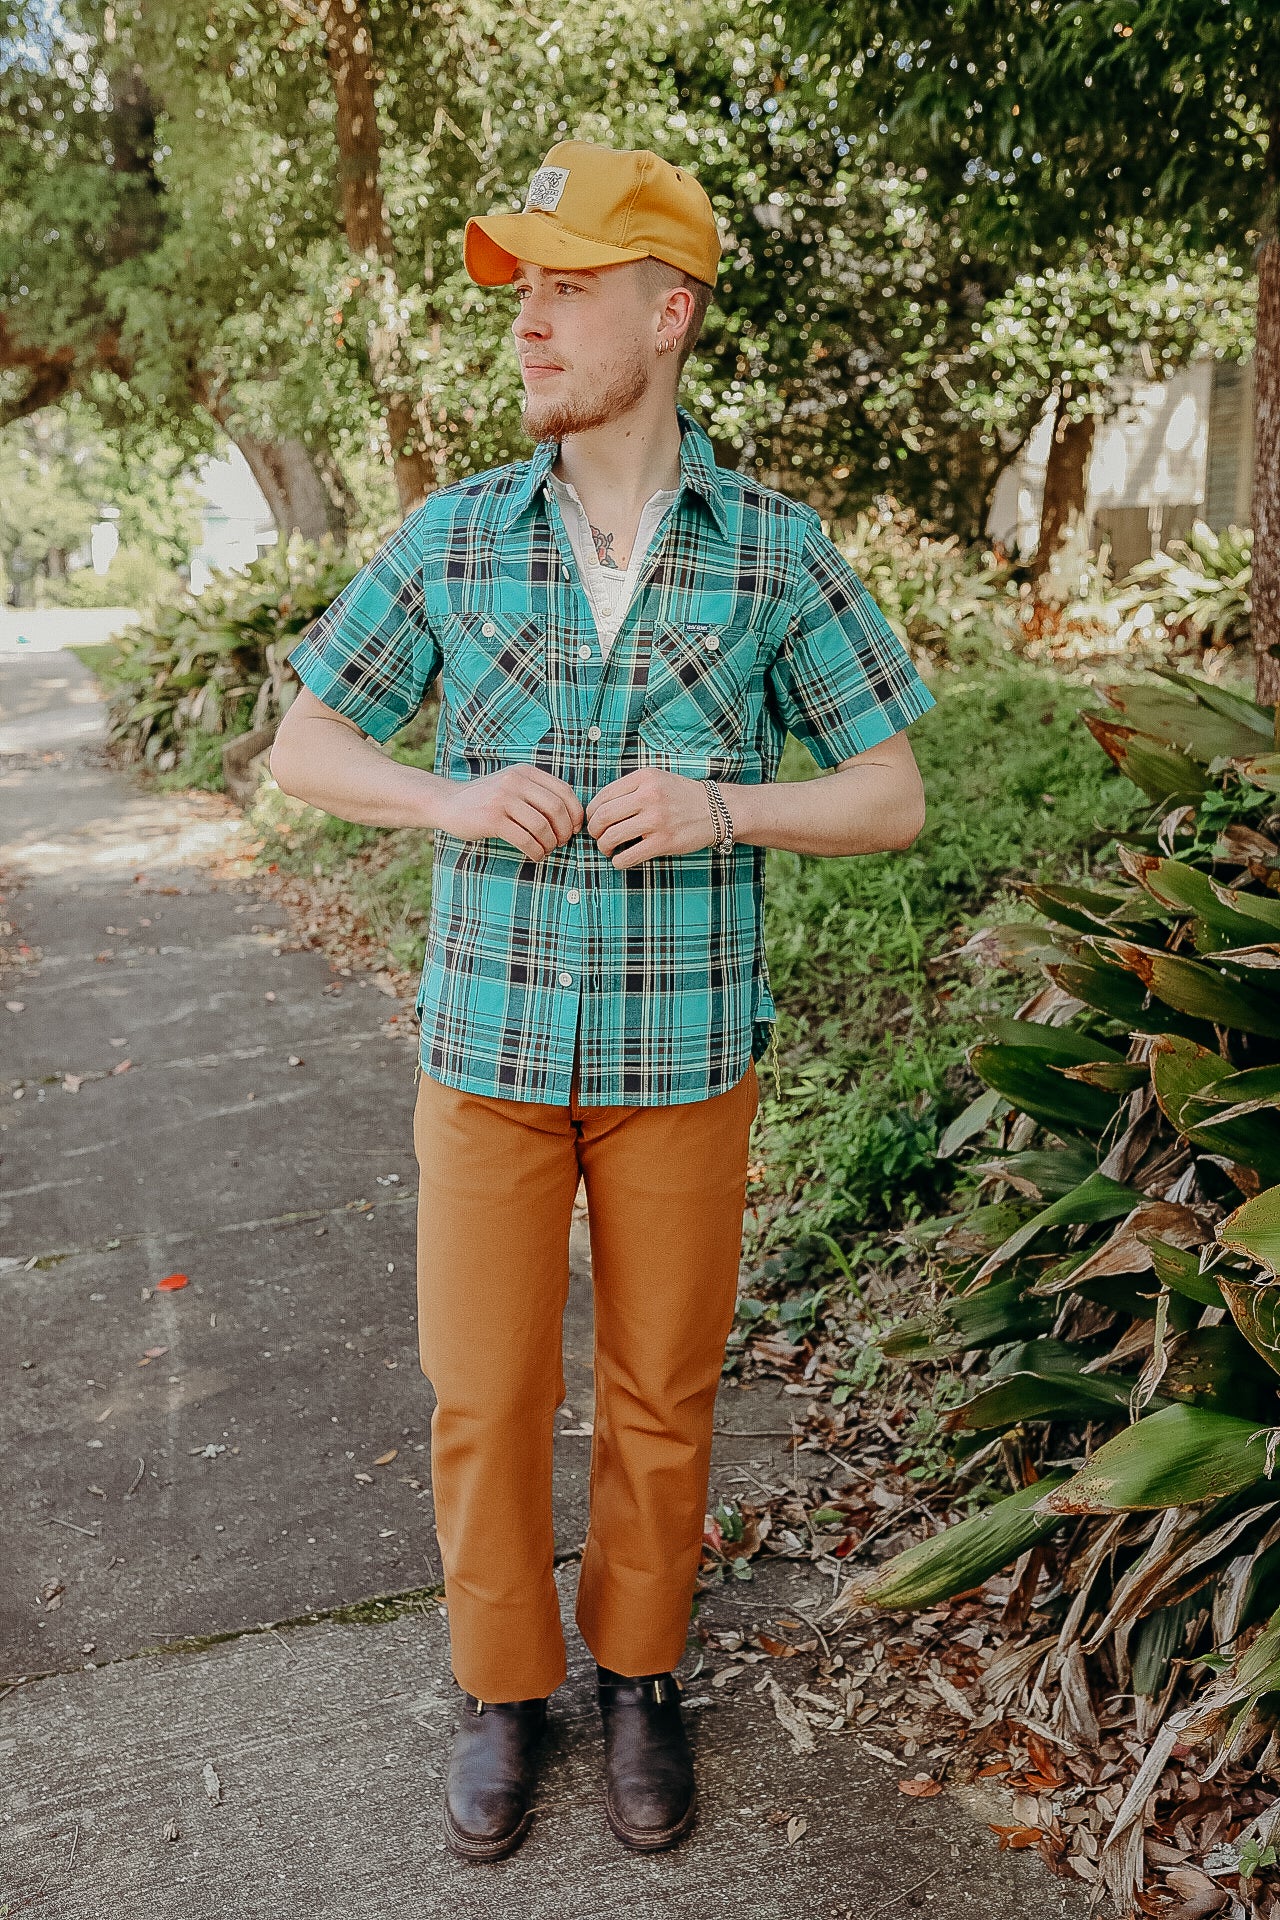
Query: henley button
(566, 979)
(573, 896)
(713, 641)
(565, 572)
(584, 653)
(488, 629)
(593, 733)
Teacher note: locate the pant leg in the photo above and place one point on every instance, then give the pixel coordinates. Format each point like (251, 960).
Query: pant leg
(666, 1187)
(495, 1203)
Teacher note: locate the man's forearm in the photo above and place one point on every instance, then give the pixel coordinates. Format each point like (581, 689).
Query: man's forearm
(868, 807)
(333, 766)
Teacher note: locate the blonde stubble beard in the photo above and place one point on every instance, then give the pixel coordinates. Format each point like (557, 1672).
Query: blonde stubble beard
(579, 413)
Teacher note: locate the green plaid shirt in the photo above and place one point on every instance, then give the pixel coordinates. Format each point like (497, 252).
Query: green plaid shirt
(746, 623)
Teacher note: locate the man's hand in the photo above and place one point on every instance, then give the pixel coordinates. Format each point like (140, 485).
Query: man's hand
(325, 759)
(661, 812)
(526, 806)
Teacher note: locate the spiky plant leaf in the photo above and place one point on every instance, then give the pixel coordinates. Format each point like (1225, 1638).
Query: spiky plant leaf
(1234, 706)
(1204, 991)
(965, 1555)
(1203, 728)
(1179, 1269)
(1030, 1079)
(1254, 1229)
(1115, 990)
(1003, 1311)
(1177, 1457)
(1255, 1308)
(1095, 1199)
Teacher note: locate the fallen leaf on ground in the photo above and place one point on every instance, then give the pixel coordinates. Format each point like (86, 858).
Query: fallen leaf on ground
(796, 1827)
(923, 1787)
(385, 1459)
(1016, 1837)
(122, 1066)
(170, 1284)
(792, 1719)
(212, 1784)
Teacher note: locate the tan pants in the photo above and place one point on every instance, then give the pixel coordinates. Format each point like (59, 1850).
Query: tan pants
(665, 1188)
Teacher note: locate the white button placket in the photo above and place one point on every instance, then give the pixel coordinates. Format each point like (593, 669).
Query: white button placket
(569, 596)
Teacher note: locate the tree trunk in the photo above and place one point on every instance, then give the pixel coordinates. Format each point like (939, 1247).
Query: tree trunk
(349, 50)
(1066, 480)
(1265, 590)
(293, 486)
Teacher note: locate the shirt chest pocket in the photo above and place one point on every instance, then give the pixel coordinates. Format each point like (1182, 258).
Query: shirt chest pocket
(495, 681)
(698, 692)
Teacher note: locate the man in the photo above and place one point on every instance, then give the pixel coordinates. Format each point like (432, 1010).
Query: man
(626, 633)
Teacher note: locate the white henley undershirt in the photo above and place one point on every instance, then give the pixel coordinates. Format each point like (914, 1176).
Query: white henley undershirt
(609, 589)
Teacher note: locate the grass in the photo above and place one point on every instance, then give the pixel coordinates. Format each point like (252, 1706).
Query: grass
(102, 658)
(871, 1031)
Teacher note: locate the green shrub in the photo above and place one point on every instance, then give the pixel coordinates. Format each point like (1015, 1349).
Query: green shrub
(1118, 1262)
(215, 664)
(955, 604)
(1199, 590)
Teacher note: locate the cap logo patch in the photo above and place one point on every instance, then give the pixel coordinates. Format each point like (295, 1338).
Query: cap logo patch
(545, 189)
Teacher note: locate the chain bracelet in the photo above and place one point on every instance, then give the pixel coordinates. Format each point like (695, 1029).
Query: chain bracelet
(720, 815)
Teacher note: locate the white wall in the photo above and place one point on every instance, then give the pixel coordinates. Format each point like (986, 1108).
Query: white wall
(1151, 453)
(237, 523)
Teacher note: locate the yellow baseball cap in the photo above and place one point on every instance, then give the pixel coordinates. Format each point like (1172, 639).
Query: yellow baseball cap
(590, 206)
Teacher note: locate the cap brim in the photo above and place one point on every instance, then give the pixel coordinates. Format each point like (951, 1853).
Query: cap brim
(493, 243)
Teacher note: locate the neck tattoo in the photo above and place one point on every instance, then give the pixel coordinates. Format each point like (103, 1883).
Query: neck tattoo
(604, 548)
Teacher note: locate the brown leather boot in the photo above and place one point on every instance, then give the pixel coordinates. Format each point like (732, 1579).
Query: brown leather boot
(649, 1787)
(489, 1787)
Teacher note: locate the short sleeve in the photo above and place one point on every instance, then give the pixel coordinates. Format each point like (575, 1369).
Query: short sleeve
(842, 681)
(371, 655)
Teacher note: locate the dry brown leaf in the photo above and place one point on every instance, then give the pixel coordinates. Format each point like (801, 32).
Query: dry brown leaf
(385, 1459)
(1016, 1838)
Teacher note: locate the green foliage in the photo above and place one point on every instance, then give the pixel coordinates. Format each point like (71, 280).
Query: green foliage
(955, 604)
(169, 190)
(58, 473)
(215, 664)
(872, 1034)
(1166, 1330)
(1199, 589)
(134, 579)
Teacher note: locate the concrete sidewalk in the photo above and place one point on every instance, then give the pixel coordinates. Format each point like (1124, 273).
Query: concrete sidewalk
(206, 1465)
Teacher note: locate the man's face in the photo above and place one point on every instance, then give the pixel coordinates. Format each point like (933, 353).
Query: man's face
(585, 344)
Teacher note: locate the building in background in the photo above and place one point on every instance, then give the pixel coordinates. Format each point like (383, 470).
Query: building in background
(1175, 451)
(236, 525)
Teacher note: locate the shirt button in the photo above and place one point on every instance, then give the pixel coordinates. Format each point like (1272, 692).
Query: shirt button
(573, 896)
(713, 641)
(566, 979)
(565, 572)
(584, 653)
(488, 629)
(593, 733)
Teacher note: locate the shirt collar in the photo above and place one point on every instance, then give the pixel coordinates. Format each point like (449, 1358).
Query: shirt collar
(698, 472)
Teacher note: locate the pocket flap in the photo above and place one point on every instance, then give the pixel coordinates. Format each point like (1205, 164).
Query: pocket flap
(495, 678)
